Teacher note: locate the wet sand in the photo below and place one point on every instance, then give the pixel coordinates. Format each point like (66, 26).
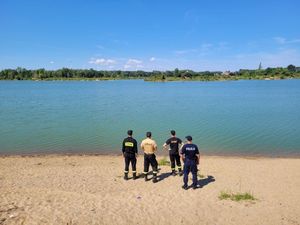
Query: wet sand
(60, 189)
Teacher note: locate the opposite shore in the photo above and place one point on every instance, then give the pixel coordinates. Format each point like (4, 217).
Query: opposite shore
(289, 72)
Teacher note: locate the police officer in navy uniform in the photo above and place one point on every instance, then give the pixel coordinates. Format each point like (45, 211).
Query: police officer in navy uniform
(130, 151)
(174, 144)
(190, 155)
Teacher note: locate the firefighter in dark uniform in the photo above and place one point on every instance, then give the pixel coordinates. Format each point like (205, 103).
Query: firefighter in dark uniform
(191, 156)
(174, 144)
(130, 151)
(149, 147)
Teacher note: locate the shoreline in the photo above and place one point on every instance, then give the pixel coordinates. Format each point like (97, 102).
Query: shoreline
(149, 80)
(159, 155)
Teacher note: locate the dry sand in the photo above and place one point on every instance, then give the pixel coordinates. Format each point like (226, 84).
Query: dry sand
(91, 190)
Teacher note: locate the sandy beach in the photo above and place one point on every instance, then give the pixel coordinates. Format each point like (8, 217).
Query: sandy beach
(60, 189)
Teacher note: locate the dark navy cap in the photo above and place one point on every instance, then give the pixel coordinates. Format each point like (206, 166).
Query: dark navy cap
(189, 138)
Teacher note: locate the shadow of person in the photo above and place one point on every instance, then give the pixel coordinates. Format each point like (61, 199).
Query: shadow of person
(205, 181)
(163, 176)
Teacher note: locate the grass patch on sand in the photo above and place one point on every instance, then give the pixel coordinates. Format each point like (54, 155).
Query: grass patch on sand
(163, 162)
(236, 196)
(200, 176)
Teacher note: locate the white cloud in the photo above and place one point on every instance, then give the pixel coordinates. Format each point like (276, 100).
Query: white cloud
(282, 40)
(102, 61)
(186, 51)
(133, 64)
(51, 62)
(152, 59)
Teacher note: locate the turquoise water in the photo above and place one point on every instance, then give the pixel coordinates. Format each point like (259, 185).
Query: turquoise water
(238, 117)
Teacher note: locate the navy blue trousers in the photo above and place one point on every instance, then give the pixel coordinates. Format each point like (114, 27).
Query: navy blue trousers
(190, 166)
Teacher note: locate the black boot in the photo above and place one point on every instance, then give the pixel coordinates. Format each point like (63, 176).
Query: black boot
(125, 176)
(134, 176)
(180, 172)
(185, 187)
(154, 178)
(173, 173)
(145, 177)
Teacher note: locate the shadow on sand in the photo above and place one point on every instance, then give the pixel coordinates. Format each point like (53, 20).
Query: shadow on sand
(206, 181)
(163, 176)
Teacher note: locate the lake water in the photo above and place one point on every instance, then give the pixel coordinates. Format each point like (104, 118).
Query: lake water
(228, 118)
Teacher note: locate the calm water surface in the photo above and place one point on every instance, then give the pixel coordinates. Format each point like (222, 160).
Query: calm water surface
(239, 117)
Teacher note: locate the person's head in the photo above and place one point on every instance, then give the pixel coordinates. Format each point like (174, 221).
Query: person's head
(173, 133)
(148, 134)
(189, 139)
(129, 132)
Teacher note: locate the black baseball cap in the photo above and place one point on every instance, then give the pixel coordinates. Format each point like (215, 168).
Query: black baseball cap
(173, 132)
(129, 132)
(189, 138)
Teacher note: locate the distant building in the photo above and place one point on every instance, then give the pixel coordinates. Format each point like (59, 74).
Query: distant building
(226, 73)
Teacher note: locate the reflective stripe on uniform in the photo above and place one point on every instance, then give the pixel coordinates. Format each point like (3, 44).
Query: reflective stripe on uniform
(154, 172)
(125, 171)
(145, 172)
(128, 144)
(134, 171)
(173, 168)
(179, 167)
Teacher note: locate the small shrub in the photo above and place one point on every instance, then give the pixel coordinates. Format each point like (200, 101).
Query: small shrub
(201, 176)
(163, 162)
(236, 196)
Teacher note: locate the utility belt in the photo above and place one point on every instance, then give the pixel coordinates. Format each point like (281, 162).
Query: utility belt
(129, 154)
(191, 160)
(173, 153)
(149, 156)
(148, 153)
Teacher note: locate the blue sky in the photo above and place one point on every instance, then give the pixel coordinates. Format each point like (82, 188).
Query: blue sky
(149, 35)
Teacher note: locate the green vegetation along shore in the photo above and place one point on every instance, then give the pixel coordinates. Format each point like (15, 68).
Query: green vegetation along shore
(289, 72)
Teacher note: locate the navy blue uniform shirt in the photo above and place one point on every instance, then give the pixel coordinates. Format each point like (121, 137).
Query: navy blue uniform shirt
(190, 151)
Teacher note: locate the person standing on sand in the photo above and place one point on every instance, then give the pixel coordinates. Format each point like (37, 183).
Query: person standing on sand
(130, 151)
(149, 147)
(191, 156)
(174, 144)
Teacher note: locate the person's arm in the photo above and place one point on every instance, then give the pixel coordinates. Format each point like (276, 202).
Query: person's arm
(180, 144)
(198, 155)
(154, 146)
(142, 145)
(123, 148)
(135, 148)
(182, 152)
(166, 144)
(198, 159)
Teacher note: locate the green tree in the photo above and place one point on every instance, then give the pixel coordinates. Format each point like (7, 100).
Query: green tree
(176, 72)
(291, 68)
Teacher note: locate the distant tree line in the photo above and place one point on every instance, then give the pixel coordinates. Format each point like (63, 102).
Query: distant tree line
(290, 71)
